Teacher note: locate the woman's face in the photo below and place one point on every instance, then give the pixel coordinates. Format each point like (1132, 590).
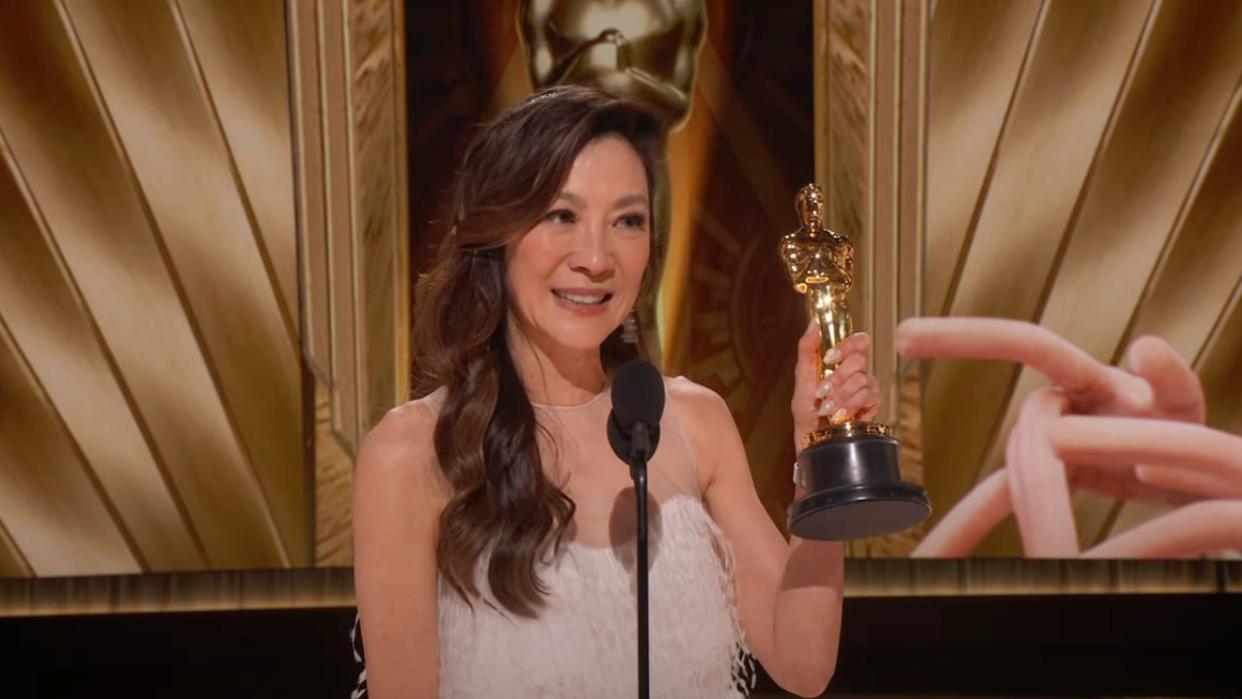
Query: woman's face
(575, 276)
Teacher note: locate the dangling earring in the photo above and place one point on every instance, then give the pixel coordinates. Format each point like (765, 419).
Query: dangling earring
(629, 329)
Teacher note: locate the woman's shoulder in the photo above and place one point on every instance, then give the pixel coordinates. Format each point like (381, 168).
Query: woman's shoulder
(694, 400)
(705, 422)
(411, 421)
(401, 446)
(702, 414)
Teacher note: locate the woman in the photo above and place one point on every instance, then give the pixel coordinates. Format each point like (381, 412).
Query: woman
(494, 526)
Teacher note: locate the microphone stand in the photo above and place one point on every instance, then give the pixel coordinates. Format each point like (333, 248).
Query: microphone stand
(638, 471)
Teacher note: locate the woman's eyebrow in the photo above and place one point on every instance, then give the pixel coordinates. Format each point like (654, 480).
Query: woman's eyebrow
(628, 200)
(572, 199)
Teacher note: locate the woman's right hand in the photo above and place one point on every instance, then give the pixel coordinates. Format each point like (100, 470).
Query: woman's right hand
(850, 393)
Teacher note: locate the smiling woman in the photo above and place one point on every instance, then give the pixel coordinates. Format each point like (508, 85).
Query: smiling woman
(505, 301)
(494, 527)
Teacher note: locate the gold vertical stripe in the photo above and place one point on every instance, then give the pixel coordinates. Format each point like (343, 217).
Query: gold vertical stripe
(912, 140)
(308, 124)
(333, 489)
(864, 276)
(401, 215)
(882, 184)
(335, 106)
(374, 132)
(821, 89)
(357, 287)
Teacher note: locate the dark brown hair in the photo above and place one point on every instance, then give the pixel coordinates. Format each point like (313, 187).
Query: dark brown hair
(503, 506)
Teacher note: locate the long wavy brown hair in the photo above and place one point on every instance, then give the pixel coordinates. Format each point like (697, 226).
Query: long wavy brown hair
(503, 506)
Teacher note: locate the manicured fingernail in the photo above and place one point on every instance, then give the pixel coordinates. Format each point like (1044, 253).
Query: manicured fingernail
(832, 355)
(824, 389)
(838, 417)
(825, 408)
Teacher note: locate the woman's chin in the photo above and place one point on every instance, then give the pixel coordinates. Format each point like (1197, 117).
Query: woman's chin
(584, 336)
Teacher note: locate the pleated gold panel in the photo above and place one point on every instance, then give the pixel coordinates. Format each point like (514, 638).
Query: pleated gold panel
(346, 71)
(88, 137)
(977, 50)
(346, 383)
(1182, 78)
(216, 251)
(51, 506)
(1188, 293)
(311, 198)
(158, 158)
(1215, 223)
(1064, 97)
(42, 307)
(378, 168)
(240, 48)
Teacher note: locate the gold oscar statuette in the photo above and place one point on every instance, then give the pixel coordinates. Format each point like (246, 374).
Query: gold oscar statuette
(849, 469)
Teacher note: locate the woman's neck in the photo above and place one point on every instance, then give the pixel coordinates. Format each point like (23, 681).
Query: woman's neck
(555, 375)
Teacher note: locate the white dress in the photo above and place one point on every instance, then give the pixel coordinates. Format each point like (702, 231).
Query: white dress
(583, 643)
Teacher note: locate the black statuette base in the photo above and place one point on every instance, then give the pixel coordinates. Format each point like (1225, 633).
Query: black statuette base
(855, 491)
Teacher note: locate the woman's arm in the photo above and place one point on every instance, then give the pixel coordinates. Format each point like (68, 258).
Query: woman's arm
(789, 593)
(398, 497)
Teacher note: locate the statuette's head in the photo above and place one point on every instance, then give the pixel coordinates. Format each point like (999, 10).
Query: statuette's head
(810, 206)
(814, 256)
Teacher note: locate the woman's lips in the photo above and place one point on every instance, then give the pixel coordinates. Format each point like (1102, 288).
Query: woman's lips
(582, 302)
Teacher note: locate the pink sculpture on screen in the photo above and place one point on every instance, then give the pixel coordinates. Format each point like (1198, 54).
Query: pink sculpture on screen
(1135, 434)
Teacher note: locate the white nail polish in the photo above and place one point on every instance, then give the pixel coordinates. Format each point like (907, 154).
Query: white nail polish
(832, 355)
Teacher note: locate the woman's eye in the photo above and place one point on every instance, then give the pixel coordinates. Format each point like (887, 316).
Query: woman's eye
(560, 216)
(635, 221)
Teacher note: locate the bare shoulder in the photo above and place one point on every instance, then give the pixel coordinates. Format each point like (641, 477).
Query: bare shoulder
(697, 405)
(399, 452)
(707, 423)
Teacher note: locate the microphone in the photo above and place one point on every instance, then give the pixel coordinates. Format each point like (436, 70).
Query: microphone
(634, 434)
(637, 404)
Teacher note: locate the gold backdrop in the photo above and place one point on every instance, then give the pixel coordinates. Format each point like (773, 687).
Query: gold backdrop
(203, 256)
(1084, 171)
(185, 371)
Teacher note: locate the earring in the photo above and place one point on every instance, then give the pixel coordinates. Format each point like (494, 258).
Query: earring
(629, 329)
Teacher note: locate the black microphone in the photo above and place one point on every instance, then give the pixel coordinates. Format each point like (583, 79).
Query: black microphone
(634, 434)
(637, 404)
